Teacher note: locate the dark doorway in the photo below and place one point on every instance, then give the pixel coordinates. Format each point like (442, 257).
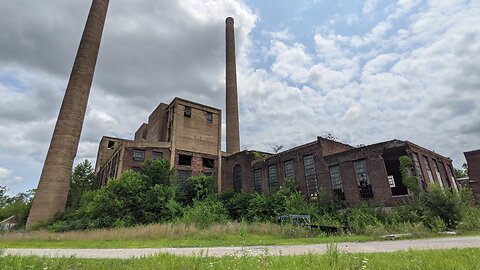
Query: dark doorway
(392, 164)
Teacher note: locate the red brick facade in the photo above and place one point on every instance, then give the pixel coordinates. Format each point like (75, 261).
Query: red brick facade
(326, 154)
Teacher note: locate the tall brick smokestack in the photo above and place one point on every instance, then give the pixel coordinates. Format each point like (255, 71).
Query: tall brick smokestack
(233, 137)
(52, 192)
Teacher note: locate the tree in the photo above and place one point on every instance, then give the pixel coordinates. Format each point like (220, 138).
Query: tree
(277, 148)
(159, 172)
(18, 206)
(83, 179)
(459, 173)
(3, 196)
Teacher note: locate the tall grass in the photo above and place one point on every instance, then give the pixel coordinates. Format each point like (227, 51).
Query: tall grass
(151, 232)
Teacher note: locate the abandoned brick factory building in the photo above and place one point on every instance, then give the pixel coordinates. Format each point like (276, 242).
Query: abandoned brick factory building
(188, 134)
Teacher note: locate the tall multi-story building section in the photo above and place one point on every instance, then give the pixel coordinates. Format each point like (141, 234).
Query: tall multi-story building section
(186, 133)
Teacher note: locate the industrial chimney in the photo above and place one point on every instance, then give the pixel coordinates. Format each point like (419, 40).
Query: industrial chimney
(52, 192)
(233, 137)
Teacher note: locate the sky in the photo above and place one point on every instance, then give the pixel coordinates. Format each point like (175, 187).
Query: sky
(362, 71)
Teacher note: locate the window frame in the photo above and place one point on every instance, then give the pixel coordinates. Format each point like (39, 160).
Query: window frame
(137, 157)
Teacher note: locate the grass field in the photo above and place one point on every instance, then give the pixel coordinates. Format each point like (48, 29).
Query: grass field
(172, 235)
(435, 260)
(183, 235)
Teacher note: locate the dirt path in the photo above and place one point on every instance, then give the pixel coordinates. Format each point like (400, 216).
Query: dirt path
(367, 247)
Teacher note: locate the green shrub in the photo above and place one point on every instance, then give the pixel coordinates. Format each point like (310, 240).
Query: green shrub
(364, 215)
(470, 219)
(205, 213)
(159, 172)
(408, 178)
(237, 204)
(260, 208)
(126, 201)
(443, 203)
(18, 206)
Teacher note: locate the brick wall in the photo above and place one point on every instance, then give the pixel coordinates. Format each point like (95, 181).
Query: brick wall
(196, 166)
(473, 161)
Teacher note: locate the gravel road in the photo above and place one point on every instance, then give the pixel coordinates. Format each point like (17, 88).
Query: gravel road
(366, 247)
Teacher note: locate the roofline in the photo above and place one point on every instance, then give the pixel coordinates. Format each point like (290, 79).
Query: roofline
(472, 152)
(427, 150)
(193, 102)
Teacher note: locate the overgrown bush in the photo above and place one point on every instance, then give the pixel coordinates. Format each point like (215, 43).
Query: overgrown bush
(445, 204)
(408, 178)
(159, 172)
(260, 208)
(18, 206)
(236, 203)
(362, 216)
(205, 213)
(129, 200)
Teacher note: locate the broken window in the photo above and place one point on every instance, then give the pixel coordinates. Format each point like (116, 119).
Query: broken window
(418, 170)
(208, 163)
(185, 160)
(257, 180)
(337, 184)
(444, 174)
(183, 177)
(310, 176)
(209, 117)
(237, 178)
(429, 169)
(272, 178)
(450, 169)
(157, 155)
(437, 172)
(138, 155)
(187, 112)
(391, 181)
(289, 171)
(363, 181)
(111, 144)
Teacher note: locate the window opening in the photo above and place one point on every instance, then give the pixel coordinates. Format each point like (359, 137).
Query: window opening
(237, 178)
(187, 112)
(138, 155)
(209, 117)
(337, 184)
(185, 160)
(429, 169)
(363, 181)
(418, 170)
(111, 144)
(157, 155)
(257, 178)
(183, 177)
(208, 163)
(272, 178)
(289, 171)
(310, 176)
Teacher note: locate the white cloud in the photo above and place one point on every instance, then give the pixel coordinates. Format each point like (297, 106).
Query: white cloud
(7, 178)
(369, 7)
(414, 78)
